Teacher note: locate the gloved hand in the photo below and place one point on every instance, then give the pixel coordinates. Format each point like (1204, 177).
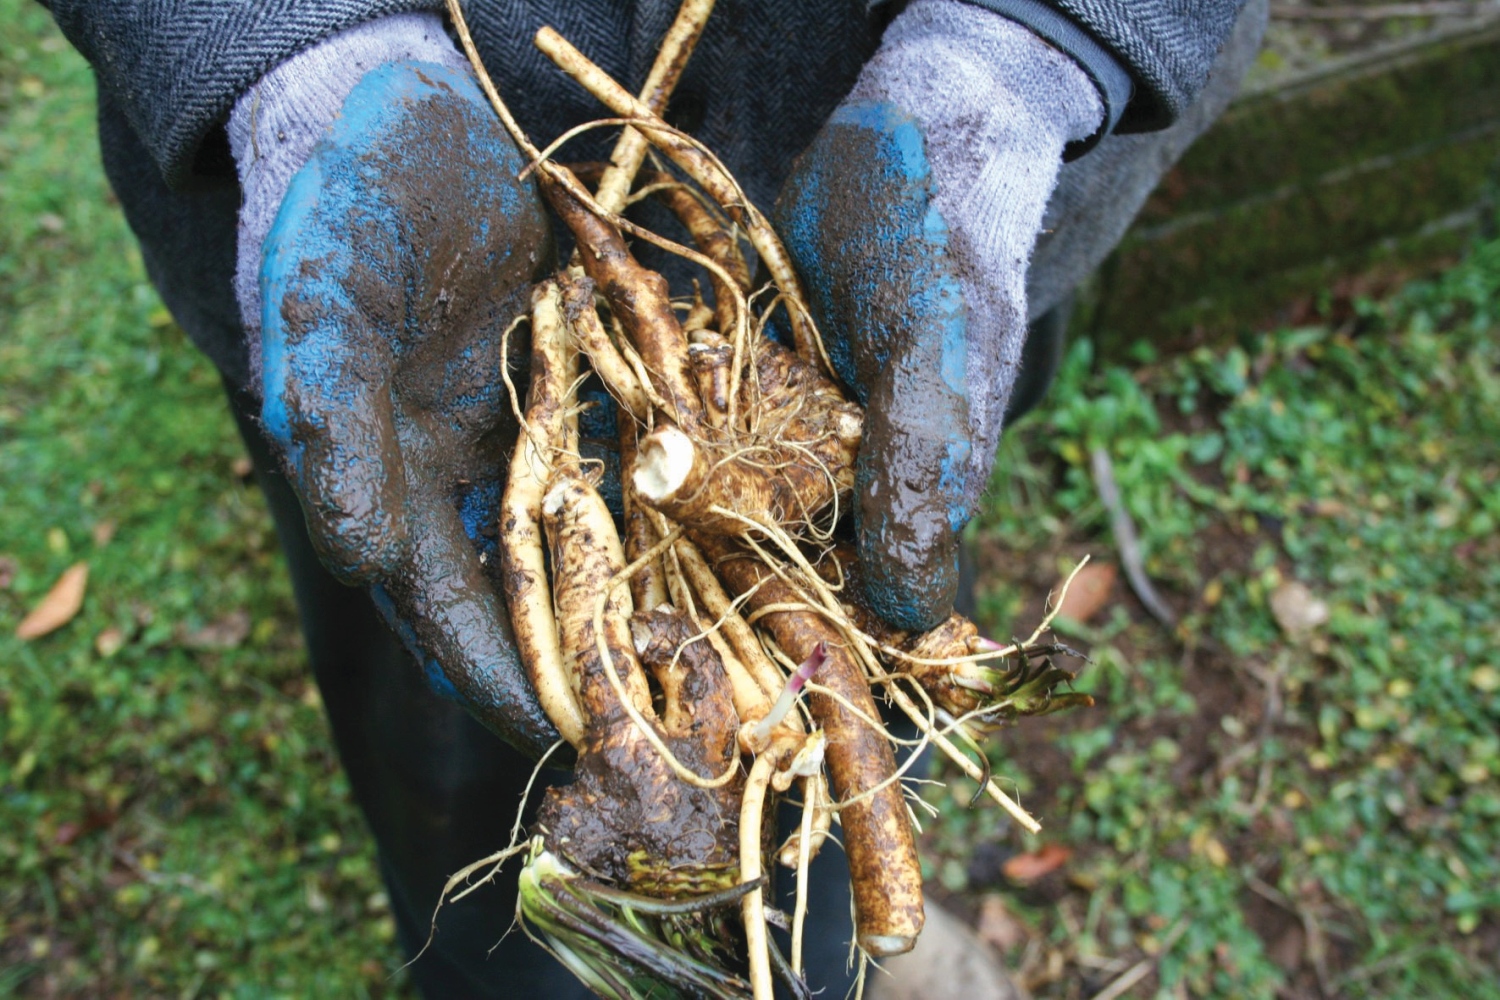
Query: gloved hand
(401, 250)
(911, 219)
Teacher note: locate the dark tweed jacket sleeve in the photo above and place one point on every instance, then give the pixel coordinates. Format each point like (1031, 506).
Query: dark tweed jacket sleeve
(175, 67)
(1166, 47)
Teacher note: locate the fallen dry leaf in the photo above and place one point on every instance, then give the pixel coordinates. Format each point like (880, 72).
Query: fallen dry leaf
(104, 531)
(109, 642)
(7, 572)
(1297, 609)
(1089, 591)
(1032, 866)
(59, 606)
(998, 927)
(225, 633)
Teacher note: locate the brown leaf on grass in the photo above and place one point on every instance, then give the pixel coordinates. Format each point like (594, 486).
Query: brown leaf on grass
(1089, 591)
(1032, 866)
(109, 642)
(998, 927)
(1297, 609)
(224, 633)
(104, 531)
(7, 572)
(59, 606)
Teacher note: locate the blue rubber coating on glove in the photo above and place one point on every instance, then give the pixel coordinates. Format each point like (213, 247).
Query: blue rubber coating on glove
(432, 671)
(400, 254)
(872, 249)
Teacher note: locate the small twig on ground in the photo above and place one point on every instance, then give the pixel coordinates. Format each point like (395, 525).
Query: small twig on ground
(1317, 950)
(1312, 927)
(1143, 968)
(1270, 715)
(1379, 12)
(1126, 540)
(158, 878)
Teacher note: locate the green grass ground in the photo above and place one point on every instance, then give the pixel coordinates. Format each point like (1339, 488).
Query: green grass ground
(1253, 807)
(1247, 811)
(173, 821)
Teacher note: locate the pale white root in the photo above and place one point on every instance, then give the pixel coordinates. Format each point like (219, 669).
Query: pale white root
(630, 150)
(663, 465)
(527, 592)
(704, 169)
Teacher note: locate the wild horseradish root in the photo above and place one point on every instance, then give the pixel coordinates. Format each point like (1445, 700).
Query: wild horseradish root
(704, 650)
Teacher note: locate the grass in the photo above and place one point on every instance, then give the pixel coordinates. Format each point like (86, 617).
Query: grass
(172, 817)
(1247, 810)
(1298, 811)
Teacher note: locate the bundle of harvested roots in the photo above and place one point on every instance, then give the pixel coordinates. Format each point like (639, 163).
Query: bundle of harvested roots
(674, 654)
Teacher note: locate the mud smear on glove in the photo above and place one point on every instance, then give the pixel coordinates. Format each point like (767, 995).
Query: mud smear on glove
(907, 527)
(410, 248)
(886, 289)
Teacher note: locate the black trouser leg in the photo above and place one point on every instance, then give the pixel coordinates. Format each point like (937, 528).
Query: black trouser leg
(438, 790)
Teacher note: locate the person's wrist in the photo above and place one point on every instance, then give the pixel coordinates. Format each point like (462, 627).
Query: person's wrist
(277, 122)
(1110, 77)
(973, 79)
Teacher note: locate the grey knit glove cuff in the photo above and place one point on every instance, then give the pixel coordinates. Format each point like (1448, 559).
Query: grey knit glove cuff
(996, 106)
(277, 122)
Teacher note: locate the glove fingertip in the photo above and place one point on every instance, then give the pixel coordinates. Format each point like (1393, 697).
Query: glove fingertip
(912, 589)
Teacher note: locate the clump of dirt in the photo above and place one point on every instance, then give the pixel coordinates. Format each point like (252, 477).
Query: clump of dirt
(629, 819)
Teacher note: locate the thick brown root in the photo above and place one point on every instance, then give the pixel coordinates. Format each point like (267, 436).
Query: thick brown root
(638, 297)
(714, 238)
(586, 555)
(885, 872)
(627, 816)
(697, 694)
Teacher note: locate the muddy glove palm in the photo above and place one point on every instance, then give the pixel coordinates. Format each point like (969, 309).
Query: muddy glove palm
(911, 219)
(400, 252)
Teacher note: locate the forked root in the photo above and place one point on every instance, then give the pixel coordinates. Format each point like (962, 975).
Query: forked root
(544, 441)
(706, 171)
(638, 297)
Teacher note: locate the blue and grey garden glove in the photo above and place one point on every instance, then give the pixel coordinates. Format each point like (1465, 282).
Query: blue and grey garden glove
(385, 245)
(911, 219)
